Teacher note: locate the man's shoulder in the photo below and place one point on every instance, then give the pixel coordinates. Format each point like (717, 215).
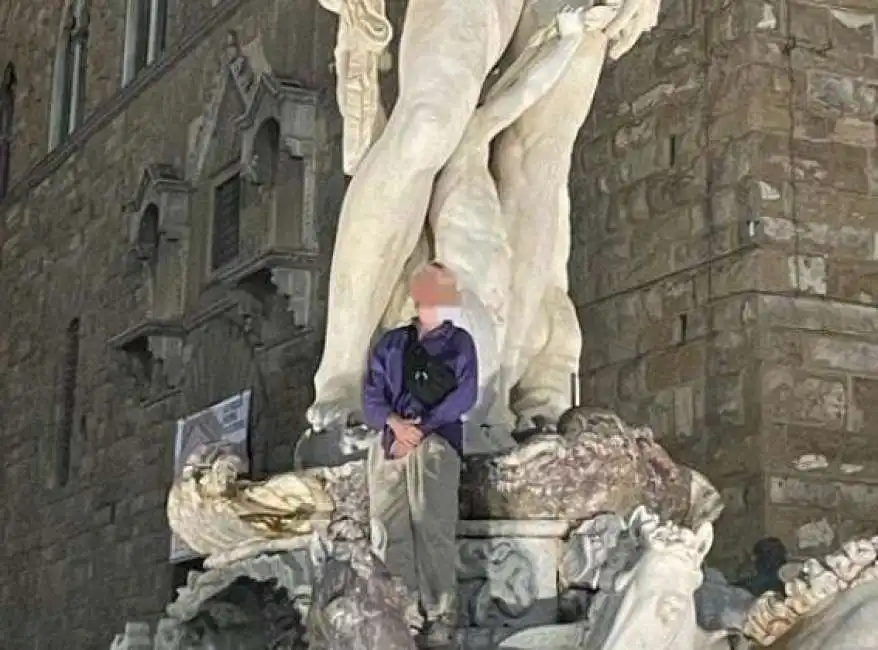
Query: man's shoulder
(395, 335)
(462, 336)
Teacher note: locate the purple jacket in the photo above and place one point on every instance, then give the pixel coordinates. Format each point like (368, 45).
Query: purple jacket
(384, 393)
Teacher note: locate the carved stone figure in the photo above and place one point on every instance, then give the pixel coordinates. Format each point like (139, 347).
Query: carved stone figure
(218, 514)
(360, 54)
(506, 580)
(542, 345)
(447, 50)
(465, 212)
(588, 551)
(356, 604)
(650, 577)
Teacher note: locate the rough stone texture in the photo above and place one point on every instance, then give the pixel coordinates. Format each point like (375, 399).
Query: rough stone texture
(80, 559)
(725, 266)
(724, 257)
(596, 464)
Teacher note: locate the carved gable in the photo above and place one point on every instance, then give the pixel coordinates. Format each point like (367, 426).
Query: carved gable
(253, 161)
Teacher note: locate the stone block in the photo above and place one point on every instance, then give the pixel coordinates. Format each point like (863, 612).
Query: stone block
(864, 405)
(794, 491)
(858, 500)
(675, 366)
(855, 281)
(806, 313)
(809, 24)
(858, 357)
(853, 31)
(799, 398)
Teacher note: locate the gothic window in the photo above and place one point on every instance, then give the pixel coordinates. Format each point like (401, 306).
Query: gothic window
(69, 372)
(7, 108)
(68, 85)
(146, 25)
(265, 153)
(226, 222)
(147, 243)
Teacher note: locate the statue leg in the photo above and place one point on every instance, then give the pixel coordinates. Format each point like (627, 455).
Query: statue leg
(447, 49)
(543, 391)
(533, 182)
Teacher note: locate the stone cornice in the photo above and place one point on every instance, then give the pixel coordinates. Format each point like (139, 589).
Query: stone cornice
(116, 104)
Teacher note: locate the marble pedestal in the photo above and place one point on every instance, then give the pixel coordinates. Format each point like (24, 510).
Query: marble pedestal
(507, 572)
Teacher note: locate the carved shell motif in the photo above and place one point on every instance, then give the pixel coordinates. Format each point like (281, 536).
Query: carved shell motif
(773, 614)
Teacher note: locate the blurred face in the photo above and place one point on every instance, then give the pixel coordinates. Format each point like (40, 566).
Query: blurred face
(434, 290)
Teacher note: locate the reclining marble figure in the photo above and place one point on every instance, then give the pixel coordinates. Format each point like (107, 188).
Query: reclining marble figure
(217, 514)
(447, 50)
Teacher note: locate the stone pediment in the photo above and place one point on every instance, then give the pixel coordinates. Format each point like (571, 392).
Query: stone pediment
(161, 186)
(263, 96)
(291, 106)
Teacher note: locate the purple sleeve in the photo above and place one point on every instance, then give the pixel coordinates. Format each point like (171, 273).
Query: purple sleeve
(464, 396)
(376, 410)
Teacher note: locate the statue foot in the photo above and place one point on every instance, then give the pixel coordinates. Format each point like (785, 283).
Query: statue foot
(331, 413)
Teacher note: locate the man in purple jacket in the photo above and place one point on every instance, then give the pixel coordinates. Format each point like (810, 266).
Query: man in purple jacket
(414, 470)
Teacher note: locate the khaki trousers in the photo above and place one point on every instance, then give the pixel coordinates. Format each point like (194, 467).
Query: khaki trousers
(416, 502)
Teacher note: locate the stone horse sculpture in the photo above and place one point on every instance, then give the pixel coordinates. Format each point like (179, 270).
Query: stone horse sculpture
(646, 593)
(830, 603)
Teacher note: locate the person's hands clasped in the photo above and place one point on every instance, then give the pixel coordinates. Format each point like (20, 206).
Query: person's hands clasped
(406, 434)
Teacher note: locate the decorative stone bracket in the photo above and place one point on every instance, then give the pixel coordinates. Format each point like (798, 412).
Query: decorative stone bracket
(273, 292)
(155, 351)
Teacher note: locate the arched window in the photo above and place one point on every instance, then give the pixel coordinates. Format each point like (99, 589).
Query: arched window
(68, 81)
(146, 24)
(265, 151)
(7, 115)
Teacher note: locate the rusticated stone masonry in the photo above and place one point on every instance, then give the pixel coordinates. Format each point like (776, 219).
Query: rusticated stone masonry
(725, 261)
(724, 266)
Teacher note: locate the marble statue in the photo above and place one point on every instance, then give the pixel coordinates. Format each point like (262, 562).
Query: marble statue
(465, 212)
(831, 602)
(360, 54)
(447, 50)
(218, 514)
(652, 604)
(356, 603)
(542, 343)
(647, 583)
(595, 463)
(652, 595)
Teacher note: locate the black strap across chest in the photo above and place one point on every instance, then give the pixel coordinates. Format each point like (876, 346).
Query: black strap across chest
(425, 377)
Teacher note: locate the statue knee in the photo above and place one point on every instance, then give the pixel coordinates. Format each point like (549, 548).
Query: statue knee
(429, 135)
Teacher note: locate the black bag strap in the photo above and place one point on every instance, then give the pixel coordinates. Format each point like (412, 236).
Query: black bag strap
(412, 339)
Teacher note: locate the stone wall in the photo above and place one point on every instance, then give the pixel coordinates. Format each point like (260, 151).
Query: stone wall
(723, 267)
(726, 247)
(84, 536)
